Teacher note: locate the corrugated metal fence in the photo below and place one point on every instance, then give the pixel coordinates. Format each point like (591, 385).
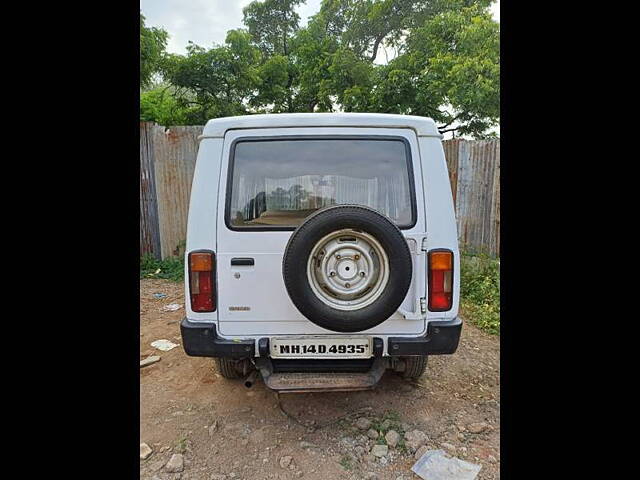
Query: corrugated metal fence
(167, 162)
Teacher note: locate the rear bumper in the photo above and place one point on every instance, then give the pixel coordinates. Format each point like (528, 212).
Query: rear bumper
(202, 340)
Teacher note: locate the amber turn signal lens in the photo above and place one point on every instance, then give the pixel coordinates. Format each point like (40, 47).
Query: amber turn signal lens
(441, 260)
(200, 262)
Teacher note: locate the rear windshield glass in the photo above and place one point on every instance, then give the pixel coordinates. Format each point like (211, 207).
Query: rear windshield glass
(278, 183)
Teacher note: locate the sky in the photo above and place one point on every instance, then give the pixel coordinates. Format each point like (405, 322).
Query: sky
(205, 22)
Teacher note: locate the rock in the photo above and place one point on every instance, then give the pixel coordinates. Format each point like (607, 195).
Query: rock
(175, 463)
(360, 451)
(149, 361)
(304, 444)
(448, 446)
(415, 439)
(478, 427)
(392, 437)
(217, 476)
(145, 451)
(421, 451)
(379, 450)
(299, 474)
(383, 461)
(461, 436)
(371, 476)
(372, 434)
(285, 461)
(492, 459)
(363, 423)
(213, 427)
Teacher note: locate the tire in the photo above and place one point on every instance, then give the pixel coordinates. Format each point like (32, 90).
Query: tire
(232, 369)
(414, 367)
(393, 269)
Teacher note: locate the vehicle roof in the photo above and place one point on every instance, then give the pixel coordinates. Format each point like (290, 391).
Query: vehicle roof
(423, 126)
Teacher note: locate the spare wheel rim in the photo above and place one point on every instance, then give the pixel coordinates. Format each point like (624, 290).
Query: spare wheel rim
(348, 269)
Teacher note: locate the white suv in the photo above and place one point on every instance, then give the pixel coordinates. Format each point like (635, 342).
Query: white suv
(321, 249)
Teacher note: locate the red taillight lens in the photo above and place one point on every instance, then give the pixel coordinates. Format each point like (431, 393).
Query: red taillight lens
(202, 281)
(440, 280)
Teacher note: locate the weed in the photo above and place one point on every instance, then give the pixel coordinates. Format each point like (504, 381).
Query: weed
(346, 463)
(171, 268)
(181, 445)
(480, 291)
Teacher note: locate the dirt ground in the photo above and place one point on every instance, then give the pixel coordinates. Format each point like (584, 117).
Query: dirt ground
(226, 431)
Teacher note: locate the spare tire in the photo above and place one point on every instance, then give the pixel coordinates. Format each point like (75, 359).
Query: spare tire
(347, 268)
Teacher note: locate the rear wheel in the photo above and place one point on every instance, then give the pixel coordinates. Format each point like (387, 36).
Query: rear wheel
(414, 367)
(234, 369)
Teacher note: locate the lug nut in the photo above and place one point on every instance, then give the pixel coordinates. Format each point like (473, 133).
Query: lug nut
(332, 274)
(347, 284)
(338, 256)
(362, 274)
(357, 257)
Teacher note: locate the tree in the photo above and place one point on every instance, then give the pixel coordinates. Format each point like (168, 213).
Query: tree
(161, 106)
(446, 64)
(153, 42)
(271, 24)
(450, 72)
(216, 82)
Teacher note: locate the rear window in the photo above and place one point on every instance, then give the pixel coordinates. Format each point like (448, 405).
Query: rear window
(278, 183)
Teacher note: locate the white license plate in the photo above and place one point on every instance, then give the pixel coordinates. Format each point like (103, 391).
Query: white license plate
(321, 347)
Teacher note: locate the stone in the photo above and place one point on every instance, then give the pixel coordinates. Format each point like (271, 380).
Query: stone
(149, 361)
(478, 427)
(379, 450)
(448, 446)
(385, 425)
(363, 423)
(145, 451)
(285, 461)
(305, 444)
(392, 437)
(371, 476)
(492, 459)
(415, 439)
(372, 434)
(175, 463)
(217, 476)
(421, 451)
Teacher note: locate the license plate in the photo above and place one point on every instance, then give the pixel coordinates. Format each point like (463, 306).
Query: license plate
(309, 347)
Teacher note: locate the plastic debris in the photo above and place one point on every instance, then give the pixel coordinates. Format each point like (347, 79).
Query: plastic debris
(149, 361)
(435, 465)
(172, 307)
(160, 295)
(164, 345)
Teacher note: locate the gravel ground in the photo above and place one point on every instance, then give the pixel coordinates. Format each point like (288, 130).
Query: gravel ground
(200, 426)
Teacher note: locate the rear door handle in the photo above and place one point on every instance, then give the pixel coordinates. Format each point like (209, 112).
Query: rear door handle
(245, 262)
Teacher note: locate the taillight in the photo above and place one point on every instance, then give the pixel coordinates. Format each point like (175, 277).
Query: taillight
(440, 280)
(202, 281)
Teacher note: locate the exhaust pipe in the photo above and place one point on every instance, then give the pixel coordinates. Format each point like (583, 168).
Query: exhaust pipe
(251, 378)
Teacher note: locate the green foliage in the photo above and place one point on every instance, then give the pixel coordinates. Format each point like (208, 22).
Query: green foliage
(171, 268)
(447, 63)
(271, 24)
(480, 291)
(161, 106)
(153, 42)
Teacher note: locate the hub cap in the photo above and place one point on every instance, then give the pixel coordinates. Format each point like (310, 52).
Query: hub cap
(348, 269)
